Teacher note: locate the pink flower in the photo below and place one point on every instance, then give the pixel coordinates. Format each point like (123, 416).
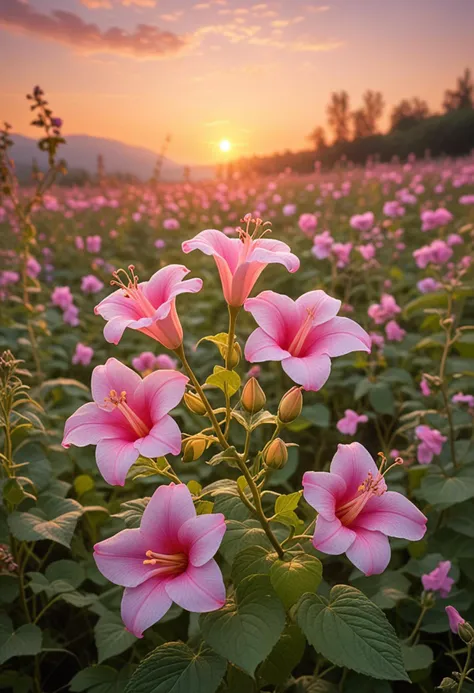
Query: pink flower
(83, 354)
(322, 245)
(425, 388)
(149, 307)
(362, 222)
(437, 253)
(377, 340)
(79, 243)
(460, 398)
(438, 580)
(367, 251)
(393, 209)
(168, 559)
(128, 418)
(93, 244)
(385, 310)
(348, 424)
(394, 332)
(171, 224)
(289, 210)
(164, 361)
(62, 297)
(454, 239)
(91, 285)
(431, 443)
(302, 334)
(434, 219)
(159, 243)
(455, 619)
(428, 285)
(144, 362)
(240, 261)
(33, 267)
(254, 372)
(466, 200)
(342, 251)
(356, 513)
(71, 316)
(308, 223)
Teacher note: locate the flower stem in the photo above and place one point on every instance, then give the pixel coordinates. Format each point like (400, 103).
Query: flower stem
(233, 313)
(417, 627)
(442, 379)
(465, 671)
(210, 412)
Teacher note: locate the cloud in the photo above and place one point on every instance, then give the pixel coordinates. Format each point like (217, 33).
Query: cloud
(108, 4)
(147, 42)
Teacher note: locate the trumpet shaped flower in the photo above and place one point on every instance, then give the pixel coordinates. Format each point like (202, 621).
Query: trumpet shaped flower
(438, 580)
(128, 417)
(303, 334)
(356, 512)
(168, 559)
(240, 261)
(149, 307)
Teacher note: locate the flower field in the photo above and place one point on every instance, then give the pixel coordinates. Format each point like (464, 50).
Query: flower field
(248, 464)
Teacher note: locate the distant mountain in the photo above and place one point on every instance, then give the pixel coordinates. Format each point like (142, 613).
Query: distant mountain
(81, 152)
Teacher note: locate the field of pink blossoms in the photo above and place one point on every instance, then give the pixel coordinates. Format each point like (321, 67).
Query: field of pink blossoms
(262, 431)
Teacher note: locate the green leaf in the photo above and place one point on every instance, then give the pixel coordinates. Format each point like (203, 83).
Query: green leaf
(227, 381)
(62, 382)
(255, 560)
(70, 572)
(101, 679)
(132, 512)
(248, 626)
(111, 636)
(284, 657)
(284, 510)
(352, 632)
(239, 535)
(176, 668)
(26, 640)
(251, 421)
(441, 490)
(83, 483)
(53, 518)
(381, 399)
(417, 657)
(229, 455)
(293, 578)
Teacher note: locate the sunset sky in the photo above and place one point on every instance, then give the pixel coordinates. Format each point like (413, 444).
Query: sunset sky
(255, 73)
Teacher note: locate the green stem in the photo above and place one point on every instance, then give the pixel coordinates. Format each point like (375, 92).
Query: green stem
(464, 672)
(415, 630)
(442, 379)
(233, 313)
(53, 601)
(258, 510)
(210, 412)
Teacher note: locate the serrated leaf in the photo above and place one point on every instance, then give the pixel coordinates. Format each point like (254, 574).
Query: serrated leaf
(248, 626)
(100, 678)
(293, 578)
(176, 668)
(352, 632)
(255, 560)
(284, 657)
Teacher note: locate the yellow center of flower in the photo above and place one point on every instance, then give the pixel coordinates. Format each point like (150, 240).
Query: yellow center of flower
(131, 289)
(348, 512)
(166, 564)
(120, 402)
(299, 339)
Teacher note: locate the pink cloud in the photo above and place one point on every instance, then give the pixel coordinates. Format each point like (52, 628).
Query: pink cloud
(145, 42)
(108, 4)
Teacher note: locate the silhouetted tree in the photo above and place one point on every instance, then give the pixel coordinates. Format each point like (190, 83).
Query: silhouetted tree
(409, 112)
(359, 124)
(318, 138)
(462, 96)
(339, 115)
(373, 110)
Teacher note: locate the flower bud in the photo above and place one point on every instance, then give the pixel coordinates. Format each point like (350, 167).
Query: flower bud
(466, 633)
(275, 454)
(235, 356)
(194, 403)
(193, 448)
(290, 405)
(253, 397)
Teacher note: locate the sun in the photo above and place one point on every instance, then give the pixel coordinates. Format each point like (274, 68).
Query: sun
(225, 146)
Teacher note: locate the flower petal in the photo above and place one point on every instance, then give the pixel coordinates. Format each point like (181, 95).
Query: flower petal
(324, 307)
(261, 347)
(275, 314)
(330, 536)
(213, 242)
(114, 457)
(370, 552)
(144, 605)
(163, 390)
(117, 305)
(90, 423)
(198, 589)
(114, 375)
(268, 251)
(394, 515)
(354, 464)
(309, 371)
(120, 558)
(322, 491)
(164, 438)
(202, 536)
(166, 284)
(337, 337)
(169, 508)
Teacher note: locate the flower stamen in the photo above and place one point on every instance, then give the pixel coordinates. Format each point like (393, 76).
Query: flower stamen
(120, 402)
(168, 564)
(300, 337)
